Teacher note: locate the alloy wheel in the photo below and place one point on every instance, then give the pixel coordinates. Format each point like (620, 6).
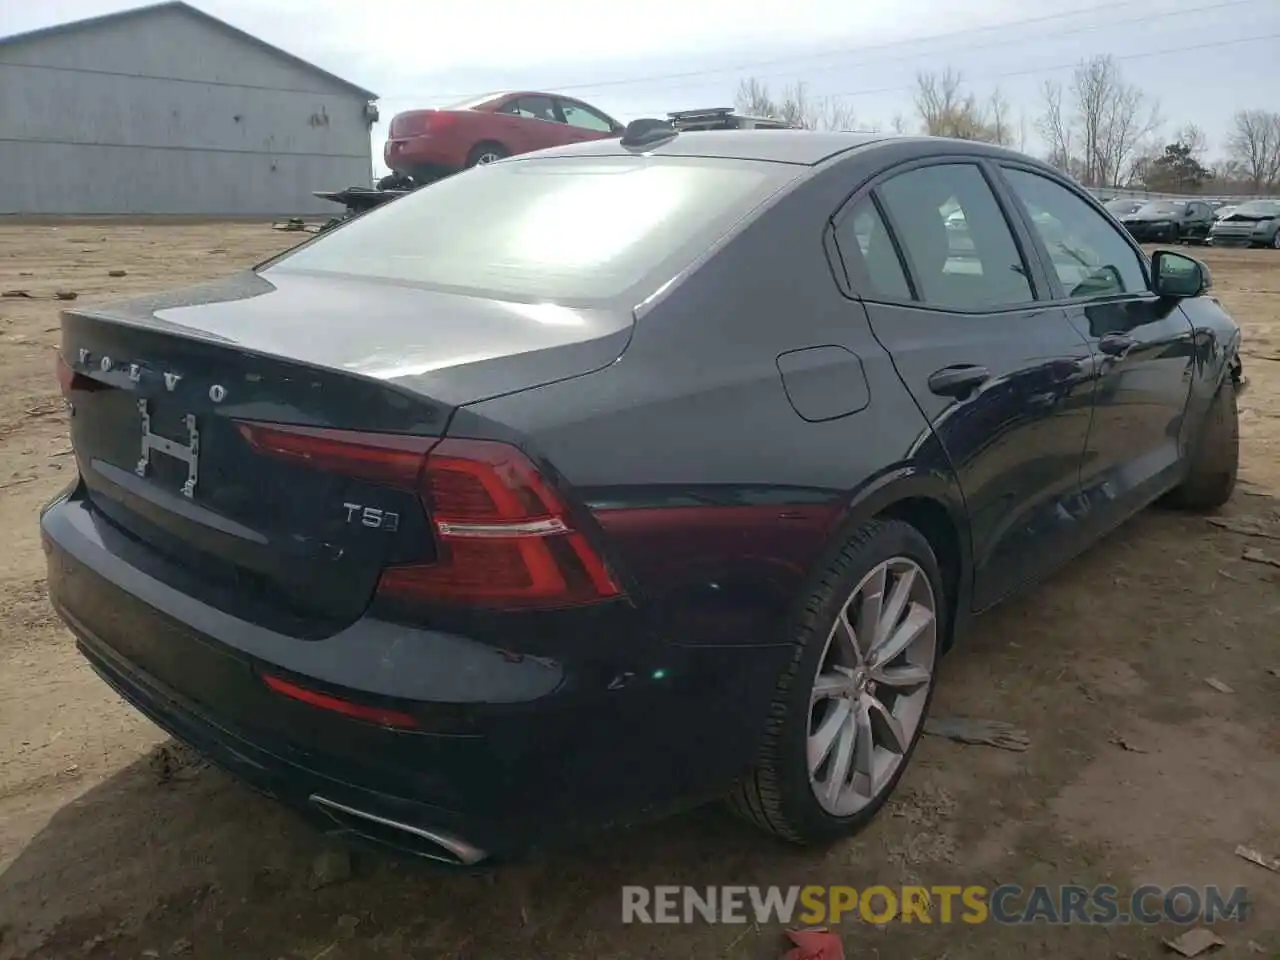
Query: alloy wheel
(872, 685)
(487, 157)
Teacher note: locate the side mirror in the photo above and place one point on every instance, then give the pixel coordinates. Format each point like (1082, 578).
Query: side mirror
(1178, 276)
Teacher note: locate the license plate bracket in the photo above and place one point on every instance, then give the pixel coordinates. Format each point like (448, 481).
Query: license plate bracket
(188, 453)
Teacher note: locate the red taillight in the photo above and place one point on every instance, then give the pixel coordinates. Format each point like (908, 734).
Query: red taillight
(358, 711)
(419, 122)
(503, 534)
(379, 458)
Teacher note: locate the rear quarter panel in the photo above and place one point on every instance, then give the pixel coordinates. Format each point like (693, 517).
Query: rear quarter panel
(718, 500)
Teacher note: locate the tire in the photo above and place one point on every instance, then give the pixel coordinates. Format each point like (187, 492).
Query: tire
(1275, 240)
(781, 794)
(1215, 462)
(485, 153)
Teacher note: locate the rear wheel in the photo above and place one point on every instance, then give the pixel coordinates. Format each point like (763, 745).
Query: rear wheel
(1275, 240)
(1215, 460)
(485, 153)
(850, 707)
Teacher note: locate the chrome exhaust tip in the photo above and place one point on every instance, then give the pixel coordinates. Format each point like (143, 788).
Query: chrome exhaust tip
(429, 844)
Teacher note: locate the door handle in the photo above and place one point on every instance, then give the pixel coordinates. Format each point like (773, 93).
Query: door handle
(959, 380)
(1116, 345)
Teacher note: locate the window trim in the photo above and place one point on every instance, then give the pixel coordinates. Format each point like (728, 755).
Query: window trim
(859, 282)
(1060, 297)
(555, 109)
(560, 103)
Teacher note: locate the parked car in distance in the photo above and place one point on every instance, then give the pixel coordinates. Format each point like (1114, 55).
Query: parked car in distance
(1170, 221)
(426, 145)
(586, 484)
(1123, 206)
(1254, 223)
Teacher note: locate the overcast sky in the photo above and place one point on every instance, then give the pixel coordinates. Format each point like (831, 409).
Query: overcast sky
(1203, 59)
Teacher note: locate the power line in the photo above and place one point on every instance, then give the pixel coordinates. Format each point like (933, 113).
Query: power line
(1084, 28)
(1066, 66)
(873, 48)
(1061, 66)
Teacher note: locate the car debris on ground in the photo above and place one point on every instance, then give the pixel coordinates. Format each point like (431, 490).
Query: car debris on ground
(1261, 859)
(332, 865)
(989, 733)
(1195, 942)
(1128, 745)
(1219, 685)
(1248, 526)
(816, 944)
(1254, 555)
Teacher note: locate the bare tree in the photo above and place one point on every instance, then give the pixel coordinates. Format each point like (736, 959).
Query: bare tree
(945, 109)
(1056, 128)
(998, 121)
(798, 108)
(795, 107)
(1112, 118)
(1194, 139)
(835, 114)
(898, 124)
(753, 99)
(1095, 128)
(1254, 146)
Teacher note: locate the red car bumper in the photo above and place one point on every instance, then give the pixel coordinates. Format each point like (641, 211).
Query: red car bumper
(407, 154)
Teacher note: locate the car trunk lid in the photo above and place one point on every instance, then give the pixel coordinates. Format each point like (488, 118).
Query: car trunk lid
(160, 389)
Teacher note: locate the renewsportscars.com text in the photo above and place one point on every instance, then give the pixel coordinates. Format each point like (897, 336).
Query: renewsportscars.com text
(1006, 904)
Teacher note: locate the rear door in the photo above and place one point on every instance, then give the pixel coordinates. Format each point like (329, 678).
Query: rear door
(1002, 377)
(1201, 219)
(1143, 346)
(584, 122)
(530, 123)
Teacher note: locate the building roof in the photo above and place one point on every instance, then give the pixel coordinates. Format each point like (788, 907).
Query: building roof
(183, 7)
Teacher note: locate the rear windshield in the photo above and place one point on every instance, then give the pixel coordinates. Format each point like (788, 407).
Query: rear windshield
(1165, 208)
(576, 230)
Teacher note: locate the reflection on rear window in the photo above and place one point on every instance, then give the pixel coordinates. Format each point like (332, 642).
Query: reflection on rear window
(555, 230)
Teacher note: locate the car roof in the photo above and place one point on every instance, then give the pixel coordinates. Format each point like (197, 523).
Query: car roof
(780, 146)
(804, 147)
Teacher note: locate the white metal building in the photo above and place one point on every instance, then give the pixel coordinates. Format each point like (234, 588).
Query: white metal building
(167, 110)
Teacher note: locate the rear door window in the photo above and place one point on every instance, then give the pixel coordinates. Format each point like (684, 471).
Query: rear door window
(958, 246)
(535, 108)
(581, 116)
(866, 245)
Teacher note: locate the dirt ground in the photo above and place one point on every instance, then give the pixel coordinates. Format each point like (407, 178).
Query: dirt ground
(114, 843)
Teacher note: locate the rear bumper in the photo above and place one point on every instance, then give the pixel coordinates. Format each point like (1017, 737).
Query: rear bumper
(511, 751)
(406, 154)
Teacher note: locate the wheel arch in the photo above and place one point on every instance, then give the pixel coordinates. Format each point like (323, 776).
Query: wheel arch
(482, 143)
(932, 502)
